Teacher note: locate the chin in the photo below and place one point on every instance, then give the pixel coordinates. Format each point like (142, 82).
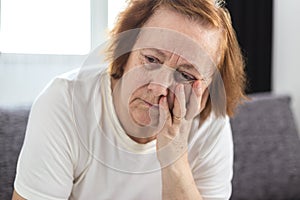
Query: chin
(144, 119)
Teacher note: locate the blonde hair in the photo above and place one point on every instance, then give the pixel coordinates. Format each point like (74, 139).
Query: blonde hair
(231, 63)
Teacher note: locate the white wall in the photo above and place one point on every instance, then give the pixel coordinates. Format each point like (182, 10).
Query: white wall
(22, 77)
(286, 52)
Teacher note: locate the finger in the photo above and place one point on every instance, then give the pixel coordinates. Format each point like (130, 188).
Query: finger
(164, 114)
(179, 109)
(193, 106)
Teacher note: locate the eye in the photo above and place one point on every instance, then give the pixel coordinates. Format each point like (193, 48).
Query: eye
(151, 59)
(150, 62)
(184, 77)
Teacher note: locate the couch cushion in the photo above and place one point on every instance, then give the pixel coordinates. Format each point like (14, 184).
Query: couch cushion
(267, 150)
(12, 130)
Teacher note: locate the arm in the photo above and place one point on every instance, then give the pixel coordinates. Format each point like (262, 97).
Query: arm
(204, 173)
(45, 165)
(177, 178)
(178, 181)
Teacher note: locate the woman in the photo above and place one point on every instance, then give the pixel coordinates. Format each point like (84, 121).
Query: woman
(153, 126)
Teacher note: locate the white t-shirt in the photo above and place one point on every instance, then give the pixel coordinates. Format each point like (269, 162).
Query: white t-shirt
(75, 148)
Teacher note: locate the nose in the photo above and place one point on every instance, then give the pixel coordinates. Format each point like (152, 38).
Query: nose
(157, 89)
(162, 82)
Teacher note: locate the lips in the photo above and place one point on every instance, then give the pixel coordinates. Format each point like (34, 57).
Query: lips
(149, 104)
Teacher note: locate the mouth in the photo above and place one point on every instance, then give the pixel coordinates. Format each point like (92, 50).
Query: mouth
(155, 105)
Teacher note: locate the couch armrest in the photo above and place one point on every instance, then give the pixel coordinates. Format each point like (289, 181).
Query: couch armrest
(267, 149)
(12, 130)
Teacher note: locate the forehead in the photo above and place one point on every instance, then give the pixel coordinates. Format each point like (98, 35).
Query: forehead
(170, 31)
(204, 36)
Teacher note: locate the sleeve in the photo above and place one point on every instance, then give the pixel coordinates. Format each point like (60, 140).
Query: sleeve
(212, 161)
(45, 164)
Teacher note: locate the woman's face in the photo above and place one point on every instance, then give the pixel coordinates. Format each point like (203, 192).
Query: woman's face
(163, 70)
(161, 62)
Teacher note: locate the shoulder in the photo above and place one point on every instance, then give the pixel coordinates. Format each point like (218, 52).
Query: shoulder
(58, 88)
(213, 131)
(51, 113)
(62, 89)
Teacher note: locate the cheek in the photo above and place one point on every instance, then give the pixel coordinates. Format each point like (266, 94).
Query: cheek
(139, 113)
(137, 93)
(133, 61)
(136, 105)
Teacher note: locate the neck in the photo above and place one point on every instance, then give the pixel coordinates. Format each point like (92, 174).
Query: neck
(142, 140)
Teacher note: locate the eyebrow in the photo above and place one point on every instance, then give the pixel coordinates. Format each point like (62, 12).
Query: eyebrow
(191, 68)
(157, 51)
(188, 66)
(185, 66)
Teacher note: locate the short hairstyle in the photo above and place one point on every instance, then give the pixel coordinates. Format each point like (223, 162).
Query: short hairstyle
(231, 62)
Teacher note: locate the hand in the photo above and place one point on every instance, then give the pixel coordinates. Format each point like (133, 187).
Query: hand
(172, 139)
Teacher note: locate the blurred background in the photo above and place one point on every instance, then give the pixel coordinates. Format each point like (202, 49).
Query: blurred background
(40, 39)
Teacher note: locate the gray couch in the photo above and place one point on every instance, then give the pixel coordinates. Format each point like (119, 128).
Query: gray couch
(267, 149)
